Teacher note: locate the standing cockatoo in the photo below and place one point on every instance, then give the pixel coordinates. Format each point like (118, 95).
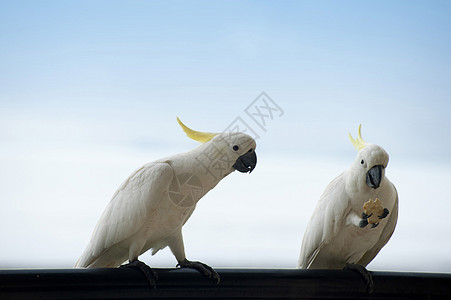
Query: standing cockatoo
(149, 209)
(342, 232)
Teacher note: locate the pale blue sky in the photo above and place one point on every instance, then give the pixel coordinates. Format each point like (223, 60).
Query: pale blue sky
(89, 91)
(384, 64)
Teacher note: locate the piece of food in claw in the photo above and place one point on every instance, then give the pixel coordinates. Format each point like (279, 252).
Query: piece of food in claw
(373, 208)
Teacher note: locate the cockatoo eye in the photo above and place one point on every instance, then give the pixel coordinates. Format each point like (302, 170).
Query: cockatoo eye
(362, 162)
(235, 148)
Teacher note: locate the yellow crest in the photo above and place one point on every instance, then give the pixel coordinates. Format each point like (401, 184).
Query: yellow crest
(358, 143)
(201, 137)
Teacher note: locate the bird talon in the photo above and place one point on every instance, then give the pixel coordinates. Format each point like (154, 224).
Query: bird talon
(384, 214)
(365, 216)
(364, 273)
(363, 223)
(151, 274)
(202, 268)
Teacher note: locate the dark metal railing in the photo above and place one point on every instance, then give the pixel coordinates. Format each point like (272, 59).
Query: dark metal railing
(235, 284)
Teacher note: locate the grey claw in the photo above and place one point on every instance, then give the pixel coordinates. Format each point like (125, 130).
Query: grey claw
(374, 225)
(205, 269)
(363, 223)
(151, 275)
(384, 214)
(362, 271)
(365, 216)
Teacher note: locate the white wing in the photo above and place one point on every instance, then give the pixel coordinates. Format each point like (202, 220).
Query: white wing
(385, 236)
(130, 207)
(326, 221)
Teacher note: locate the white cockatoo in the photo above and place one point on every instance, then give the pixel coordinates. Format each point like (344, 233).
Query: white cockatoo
(149, 209)
(338, 235)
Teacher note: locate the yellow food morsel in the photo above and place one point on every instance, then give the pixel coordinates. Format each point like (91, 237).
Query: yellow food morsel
(373, 208)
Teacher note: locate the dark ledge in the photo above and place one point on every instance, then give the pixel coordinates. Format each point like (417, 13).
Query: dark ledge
(235, 284)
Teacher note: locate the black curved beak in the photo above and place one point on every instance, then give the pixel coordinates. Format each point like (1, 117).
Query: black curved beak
(374, 176)
(246, 162)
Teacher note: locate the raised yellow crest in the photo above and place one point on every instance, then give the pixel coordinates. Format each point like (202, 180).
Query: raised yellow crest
(201, 137)
(358, 143)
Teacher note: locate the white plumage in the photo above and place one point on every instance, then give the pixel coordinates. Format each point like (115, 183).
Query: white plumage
(151, 206)
(334, 236)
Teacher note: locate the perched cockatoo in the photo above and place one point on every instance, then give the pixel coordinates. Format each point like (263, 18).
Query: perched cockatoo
(342, 233)
(149, 209)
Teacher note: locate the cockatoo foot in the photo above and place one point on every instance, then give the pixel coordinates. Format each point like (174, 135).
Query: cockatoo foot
(204, 269)
(384, 214)
(365, 216)
(151, 275)
(362, 271)
(364, 221)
